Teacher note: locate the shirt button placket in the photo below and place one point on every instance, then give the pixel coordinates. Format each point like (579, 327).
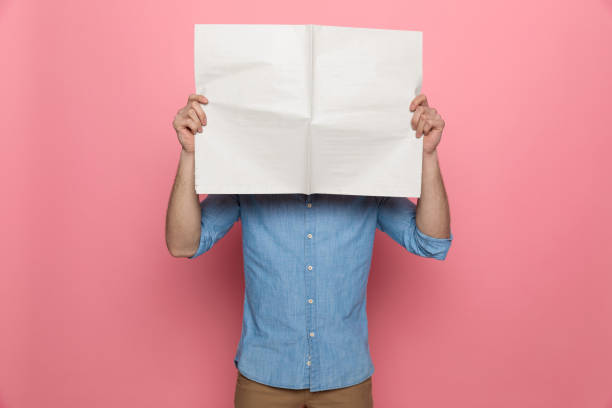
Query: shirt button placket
(310, 287)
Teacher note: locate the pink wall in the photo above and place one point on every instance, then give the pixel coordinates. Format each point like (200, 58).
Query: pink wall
(95, 313)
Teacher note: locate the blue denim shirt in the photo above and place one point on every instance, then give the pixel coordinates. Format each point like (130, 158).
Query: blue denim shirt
(306, 266)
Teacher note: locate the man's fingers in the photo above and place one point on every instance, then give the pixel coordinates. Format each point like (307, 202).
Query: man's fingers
(420, 126)
(199, 111)
(194, 116)
(191, 125)
(419, 100)
(416, 116)
(437, 122)
(185, 132)
(197, 98)
(430, 119)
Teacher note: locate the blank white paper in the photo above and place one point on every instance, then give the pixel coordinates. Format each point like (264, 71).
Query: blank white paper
(307, 109)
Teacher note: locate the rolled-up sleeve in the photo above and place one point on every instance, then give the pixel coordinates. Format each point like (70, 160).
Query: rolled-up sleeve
(397, 218)
(219, 213)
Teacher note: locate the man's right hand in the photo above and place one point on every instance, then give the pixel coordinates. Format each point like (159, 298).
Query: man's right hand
(189, 120)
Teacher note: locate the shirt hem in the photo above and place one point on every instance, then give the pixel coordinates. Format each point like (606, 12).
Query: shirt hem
(371, 372)
(257, 379)
(312, 389)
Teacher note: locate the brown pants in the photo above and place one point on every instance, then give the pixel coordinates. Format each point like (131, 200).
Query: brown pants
(251, 394)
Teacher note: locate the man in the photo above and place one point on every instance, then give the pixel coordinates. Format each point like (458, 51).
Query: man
(307, 258)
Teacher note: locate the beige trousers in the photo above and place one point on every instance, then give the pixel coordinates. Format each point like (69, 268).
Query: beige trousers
(251, 394)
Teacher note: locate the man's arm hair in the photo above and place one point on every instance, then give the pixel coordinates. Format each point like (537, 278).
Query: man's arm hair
(183, 217)
(432, 212)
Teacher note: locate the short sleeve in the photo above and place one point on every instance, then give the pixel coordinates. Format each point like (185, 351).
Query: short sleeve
(219, 213)
(397, 218)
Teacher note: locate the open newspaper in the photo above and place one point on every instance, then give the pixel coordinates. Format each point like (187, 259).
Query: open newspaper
(307, 109)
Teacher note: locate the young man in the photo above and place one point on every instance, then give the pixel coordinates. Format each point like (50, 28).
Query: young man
(307, 260)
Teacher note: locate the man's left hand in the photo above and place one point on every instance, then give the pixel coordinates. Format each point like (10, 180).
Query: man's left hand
(427, 122)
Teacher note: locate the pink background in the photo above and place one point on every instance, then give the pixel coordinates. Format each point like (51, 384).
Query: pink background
(94, 312)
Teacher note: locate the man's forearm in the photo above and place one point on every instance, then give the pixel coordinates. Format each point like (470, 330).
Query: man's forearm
(184, 214)
(432, 212)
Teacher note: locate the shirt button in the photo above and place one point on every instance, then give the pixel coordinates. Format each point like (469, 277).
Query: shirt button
(309, 235)
(310, 300)
(311, 334)
(310, 267)
(309, 205)
(308, 363)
